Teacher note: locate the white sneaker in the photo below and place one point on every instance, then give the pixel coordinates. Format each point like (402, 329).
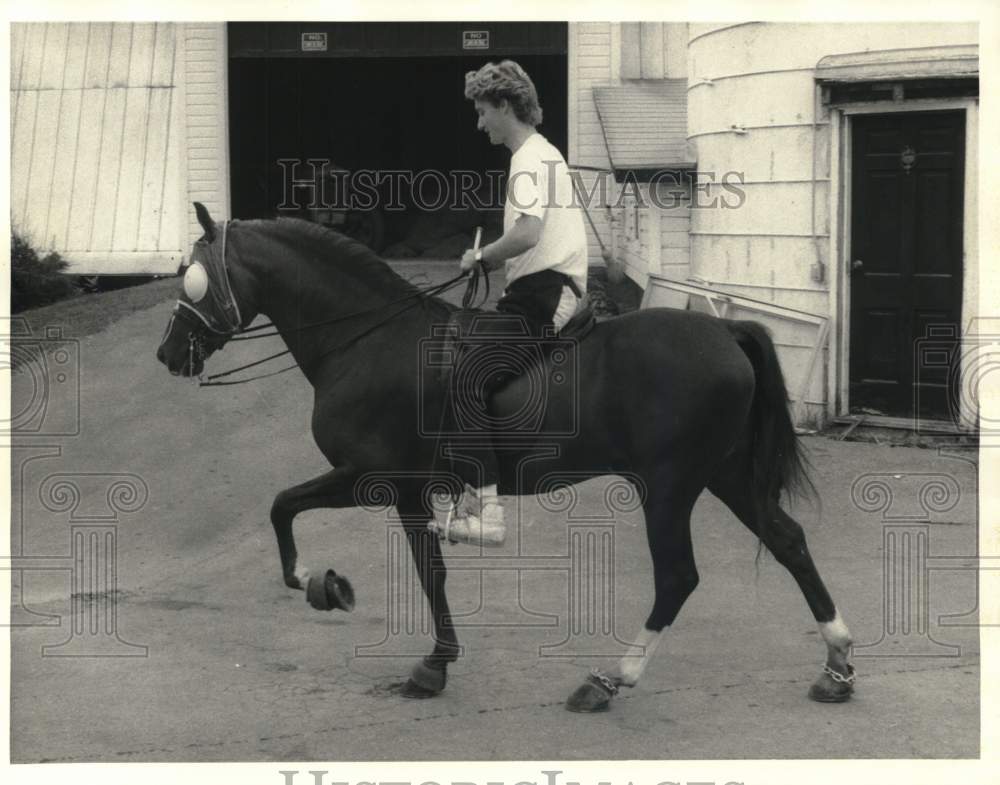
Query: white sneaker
(477, 521)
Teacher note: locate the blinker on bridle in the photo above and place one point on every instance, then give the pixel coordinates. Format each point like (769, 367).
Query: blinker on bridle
(207, 281)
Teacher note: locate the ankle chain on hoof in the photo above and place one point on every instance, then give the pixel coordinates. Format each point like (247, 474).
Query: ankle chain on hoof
(594, 694)
(603, 680)
(840, 678)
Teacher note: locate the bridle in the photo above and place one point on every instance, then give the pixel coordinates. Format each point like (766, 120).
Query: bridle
(209, 332)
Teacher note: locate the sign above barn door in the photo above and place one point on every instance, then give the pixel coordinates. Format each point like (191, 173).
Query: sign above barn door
(476, 39)
(314, 42)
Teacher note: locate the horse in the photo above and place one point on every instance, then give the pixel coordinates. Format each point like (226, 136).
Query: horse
(673, 400)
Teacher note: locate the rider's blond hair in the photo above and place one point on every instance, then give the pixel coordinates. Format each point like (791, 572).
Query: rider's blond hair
(505, 81)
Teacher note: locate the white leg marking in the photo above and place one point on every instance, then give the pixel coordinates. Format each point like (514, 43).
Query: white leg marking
(631, 666)
(302, 573)
(835, 633)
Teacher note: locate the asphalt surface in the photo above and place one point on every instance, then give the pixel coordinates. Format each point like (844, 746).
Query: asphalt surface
(234, 666)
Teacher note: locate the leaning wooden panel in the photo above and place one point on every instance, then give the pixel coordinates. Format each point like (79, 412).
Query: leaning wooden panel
(805, 334)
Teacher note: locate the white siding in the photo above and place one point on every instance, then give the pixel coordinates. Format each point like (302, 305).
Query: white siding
(589, 65)
(95, 143)
(206, 117)
(603, 53)
(653, 239)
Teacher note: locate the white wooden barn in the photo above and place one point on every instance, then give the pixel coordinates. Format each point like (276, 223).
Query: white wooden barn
(851, 230)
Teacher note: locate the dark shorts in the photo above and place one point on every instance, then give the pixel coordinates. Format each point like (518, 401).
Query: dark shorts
(535, 298)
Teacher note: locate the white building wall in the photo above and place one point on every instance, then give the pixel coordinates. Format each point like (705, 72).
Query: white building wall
(206, 120)
(644, 239)
(590, 65)
(95, 143)
(753, 108)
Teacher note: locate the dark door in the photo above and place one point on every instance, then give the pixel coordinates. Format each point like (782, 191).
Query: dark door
(906, 256)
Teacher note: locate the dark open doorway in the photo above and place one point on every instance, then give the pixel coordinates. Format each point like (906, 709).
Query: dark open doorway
(375, 111)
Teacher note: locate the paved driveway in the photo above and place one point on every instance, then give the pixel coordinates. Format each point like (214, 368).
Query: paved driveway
(154, 519)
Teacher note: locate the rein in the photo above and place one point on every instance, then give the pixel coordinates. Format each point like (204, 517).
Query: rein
(236, 333)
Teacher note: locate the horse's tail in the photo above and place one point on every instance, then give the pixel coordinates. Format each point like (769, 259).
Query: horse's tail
(777, 459)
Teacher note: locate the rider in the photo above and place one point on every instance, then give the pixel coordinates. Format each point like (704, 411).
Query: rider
(543, 246)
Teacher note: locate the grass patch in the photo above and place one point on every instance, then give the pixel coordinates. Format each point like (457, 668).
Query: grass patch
(90, 313)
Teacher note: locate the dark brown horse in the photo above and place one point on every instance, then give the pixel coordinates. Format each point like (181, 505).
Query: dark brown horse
(674, 401)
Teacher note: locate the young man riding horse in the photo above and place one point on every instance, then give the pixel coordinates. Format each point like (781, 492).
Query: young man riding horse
(543, 247)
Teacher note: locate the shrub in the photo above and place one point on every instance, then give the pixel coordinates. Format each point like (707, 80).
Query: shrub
(36, 281)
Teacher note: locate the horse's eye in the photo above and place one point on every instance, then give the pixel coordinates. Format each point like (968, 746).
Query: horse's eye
(195, 282)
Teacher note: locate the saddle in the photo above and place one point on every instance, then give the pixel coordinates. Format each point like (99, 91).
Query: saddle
(468, 327)
(476, 323)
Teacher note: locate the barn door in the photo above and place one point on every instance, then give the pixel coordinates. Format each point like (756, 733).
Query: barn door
(906, 255)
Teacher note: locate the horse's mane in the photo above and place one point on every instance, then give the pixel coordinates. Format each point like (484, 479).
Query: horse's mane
(352, 256)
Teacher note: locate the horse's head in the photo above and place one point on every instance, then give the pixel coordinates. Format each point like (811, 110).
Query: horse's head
(212, 308)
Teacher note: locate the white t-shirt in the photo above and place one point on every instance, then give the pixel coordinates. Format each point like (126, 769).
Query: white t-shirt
(540, 185)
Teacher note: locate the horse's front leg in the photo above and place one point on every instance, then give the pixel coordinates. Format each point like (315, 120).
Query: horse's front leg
(333, 489)
(430, 674)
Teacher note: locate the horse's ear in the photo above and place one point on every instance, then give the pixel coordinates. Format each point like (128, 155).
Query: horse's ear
(205, 220)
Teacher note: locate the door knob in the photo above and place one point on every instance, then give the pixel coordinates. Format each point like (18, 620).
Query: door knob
(857, 264)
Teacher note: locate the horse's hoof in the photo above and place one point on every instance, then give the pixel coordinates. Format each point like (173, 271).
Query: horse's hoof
(414, 691)
(832, 687)
(425, 681)
(332, 591)
(593, 695)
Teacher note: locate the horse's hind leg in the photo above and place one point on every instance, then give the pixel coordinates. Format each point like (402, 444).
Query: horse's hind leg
(784, 537)
(675, 576)
(333, 489)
